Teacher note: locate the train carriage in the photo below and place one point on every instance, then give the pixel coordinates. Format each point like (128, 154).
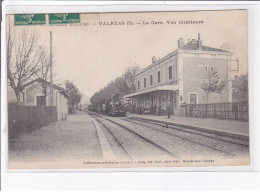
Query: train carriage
(112, 107)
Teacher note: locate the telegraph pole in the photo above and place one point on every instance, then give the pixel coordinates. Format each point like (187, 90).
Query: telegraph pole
(51, 71)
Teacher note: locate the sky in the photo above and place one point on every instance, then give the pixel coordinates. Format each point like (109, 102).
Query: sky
(92, 55)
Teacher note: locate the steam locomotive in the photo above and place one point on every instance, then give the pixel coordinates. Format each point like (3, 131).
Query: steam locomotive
(112, 107)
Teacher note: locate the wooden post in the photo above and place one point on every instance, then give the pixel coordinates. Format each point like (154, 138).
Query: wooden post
(242, 111)
(206, 110)
(215, 111)
(225, 110)
(236, 110)
(51, 71)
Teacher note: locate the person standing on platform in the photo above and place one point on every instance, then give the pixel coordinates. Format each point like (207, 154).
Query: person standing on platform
(169, 110)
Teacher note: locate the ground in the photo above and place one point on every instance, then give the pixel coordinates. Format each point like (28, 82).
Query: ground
(85, 139)
(74, 139)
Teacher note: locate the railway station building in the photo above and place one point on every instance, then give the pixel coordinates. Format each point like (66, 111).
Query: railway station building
(176, 78)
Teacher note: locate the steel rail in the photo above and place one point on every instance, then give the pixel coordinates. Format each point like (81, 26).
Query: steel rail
(184, 138)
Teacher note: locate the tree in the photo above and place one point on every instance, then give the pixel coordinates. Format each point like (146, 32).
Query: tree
(129, 77)
(22, 59)
(213, 84)
(74, 93)
(240, 89)
(122, 85)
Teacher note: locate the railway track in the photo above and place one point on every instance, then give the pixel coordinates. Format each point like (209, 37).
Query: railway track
(149, 147)
(186, 139)
(142, 137)
(213, 143)
(117, 140)
(233, 140)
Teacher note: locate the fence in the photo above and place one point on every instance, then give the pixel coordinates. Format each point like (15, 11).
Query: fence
(236, 111)
(28, 118)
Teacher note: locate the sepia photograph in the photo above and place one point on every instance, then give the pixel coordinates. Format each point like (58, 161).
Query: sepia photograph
(127, 90)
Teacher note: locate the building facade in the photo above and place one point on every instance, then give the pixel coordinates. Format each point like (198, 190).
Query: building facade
(34, 96)
(176, 78)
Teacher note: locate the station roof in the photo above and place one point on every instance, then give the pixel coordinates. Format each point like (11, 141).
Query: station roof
(157, 88)
(39, 80)
(192, 45)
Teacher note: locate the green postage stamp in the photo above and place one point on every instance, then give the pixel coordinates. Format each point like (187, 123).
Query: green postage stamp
(38, 19)
(64, 18)
(29, 19)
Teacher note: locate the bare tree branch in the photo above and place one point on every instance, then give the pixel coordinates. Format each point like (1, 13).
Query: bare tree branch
(22, 58)
(213, 84)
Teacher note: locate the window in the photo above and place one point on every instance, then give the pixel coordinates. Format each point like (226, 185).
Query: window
(211, 69)
(170, 72)
(151, 80)
(138, 85)
(144, 82)
(193, 99)
(159, 76)
(206, 69)
(41, 101)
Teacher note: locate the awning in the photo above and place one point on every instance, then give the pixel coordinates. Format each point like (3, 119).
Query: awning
(157, 88)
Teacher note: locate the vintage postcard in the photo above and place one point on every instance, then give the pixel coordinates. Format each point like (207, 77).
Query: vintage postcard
(127, 90)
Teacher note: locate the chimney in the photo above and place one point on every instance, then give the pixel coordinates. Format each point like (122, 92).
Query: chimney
(199, 42)
(180, 43)
(154, 59)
